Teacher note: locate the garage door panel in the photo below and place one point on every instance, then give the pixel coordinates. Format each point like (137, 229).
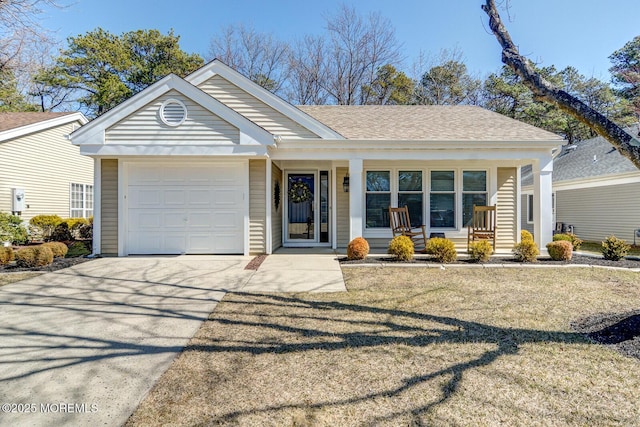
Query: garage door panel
(186, 209)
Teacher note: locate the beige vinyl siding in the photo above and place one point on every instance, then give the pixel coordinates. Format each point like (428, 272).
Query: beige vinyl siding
(44, 164)
(145, 125)
(598, 212)
(257, 206)
(342, 209)
(524, 225)
(109, 207)
(254, 109)
(506, 208)
(276, 213)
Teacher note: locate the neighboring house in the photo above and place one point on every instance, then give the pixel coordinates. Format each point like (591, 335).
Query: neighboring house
(214, 163)
(596, 191)
(39, 162)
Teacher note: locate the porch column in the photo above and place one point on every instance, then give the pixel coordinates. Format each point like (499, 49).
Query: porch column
(542, 195)
(268, 246)
(356, 211)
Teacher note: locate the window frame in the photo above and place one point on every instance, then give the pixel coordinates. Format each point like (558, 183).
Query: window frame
(530, 212)
(367, 192)
(455, 192)
(463, 192)
(85, 191)
(421, 191)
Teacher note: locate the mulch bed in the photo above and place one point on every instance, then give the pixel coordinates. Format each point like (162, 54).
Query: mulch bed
(255, 263)
(58, 263)
(576, 260)
(620, 331)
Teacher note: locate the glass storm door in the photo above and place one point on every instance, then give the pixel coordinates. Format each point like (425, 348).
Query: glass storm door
(301, 210)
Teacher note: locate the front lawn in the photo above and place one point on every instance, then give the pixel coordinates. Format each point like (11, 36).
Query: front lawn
(409, 346)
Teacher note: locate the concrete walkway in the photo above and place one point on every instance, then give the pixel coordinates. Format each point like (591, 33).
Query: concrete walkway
(84, 345)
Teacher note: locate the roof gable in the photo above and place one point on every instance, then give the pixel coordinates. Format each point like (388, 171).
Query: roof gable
(216, 67)
(14, 125)
(94, 132)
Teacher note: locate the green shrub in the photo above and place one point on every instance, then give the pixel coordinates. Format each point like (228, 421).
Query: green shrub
(526, 251)
(614, 249)
(42, 226)
(34, 256)
(61, 233)
(442, 250)
(480, 251)
(401, 247)
(77, 249)
(75, 225)
(358, 248)
(568, 237)
(562, 237)
(6, 255)
(560, 250)
(11, 229)
(59, 249)
(525, 236)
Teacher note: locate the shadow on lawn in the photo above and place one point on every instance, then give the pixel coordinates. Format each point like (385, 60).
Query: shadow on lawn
(400, 327)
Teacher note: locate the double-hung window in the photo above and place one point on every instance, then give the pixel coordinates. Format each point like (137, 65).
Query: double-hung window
(443, 199)
(474, 192)
(81, 201)
(378, 198)
(410, 195)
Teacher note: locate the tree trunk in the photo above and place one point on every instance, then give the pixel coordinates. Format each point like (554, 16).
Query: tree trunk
(547, 92)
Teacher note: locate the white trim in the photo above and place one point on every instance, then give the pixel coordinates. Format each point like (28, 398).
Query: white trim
(601, 181)
(97, 206)
(94, 132)
(123, 181)
(43, 125)
(333, 206)
(356, 196)
(122, 150)
(518, 204)
(163, 109)
(246, 195)
(268, 200)
(217, 67)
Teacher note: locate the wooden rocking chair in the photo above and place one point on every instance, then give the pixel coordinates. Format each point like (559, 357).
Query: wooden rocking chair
(401, 226)
(483, 225)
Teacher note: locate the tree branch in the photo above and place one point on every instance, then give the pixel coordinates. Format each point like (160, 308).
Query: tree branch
(543, 90)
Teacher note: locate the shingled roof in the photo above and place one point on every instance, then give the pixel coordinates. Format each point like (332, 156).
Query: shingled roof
(424, 122)
(10, 121)
(587, 159)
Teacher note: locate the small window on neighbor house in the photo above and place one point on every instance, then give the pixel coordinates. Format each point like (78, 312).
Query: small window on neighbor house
(81, 201)
(530, 208)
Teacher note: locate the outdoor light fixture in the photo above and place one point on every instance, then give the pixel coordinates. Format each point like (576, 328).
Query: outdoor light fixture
(345, 184)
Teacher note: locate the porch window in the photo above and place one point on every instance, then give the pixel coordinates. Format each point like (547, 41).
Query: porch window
(81, 201)
(530, 208)
(474, 192)
(410, 194)
(378, 199)
(443, 199)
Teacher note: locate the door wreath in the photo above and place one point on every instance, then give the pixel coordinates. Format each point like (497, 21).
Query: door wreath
(299, 192)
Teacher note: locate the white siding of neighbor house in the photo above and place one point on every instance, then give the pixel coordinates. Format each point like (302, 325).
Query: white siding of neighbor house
(598, 212)
(44, 164)
(109, 207)
(145, 125)
(254, 109)
(276, 213)
(342, 209)
(257, 208)
(506, 208)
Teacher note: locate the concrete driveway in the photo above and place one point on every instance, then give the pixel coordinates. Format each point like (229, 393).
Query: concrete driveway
(84, 345)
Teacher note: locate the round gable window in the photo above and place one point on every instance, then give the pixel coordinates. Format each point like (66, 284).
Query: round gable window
(173, 112)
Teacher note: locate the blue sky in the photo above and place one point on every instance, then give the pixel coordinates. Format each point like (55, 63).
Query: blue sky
(582, 33)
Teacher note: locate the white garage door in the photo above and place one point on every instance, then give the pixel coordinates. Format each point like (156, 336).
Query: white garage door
(193, 209)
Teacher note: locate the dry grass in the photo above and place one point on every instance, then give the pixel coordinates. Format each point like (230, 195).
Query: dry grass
(408, 347)
(6, 278)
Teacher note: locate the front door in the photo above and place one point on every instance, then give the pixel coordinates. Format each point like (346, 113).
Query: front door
(307, 210)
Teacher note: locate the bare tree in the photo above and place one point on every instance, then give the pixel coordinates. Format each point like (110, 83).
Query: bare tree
(543, 90)
(357, 48)
(259, 56)
(307, 72)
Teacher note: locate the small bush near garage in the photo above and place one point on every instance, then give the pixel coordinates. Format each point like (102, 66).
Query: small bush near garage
(525, 236)
(442, 250)
(401, 247)
(34, 256)
(526, 251)
(614, 249)
(41, 227)
(6, 255)
(569, 237)
(358, 248)
(61, 233)
(77, 249)
(480, 251)
(59, 249)
(11, 229)
(560, 250)
(74, 225)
